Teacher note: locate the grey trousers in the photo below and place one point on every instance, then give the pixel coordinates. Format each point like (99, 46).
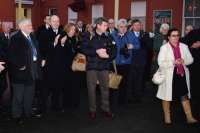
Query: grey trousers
(103, 78)
(22, 100)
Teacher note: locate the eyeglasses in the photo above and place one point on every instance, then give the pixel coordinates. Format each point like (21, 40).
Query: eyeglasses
(175, 35)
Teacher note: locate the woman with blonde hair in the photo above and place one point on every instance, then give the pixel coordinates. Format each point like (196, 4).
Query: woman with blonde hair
(173, 59)
(72, 89)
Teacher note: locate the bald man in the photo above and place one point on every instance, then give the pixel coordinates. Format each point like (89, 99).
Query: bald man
(51, 56)
(111, 26)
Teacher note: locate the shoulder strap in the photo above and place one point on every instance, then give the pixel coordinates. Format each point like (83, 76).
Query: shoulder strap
(114, 66)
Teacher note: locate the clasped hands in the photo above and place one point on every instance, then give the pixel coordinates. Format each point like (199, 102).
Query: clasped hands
(102, 53)
(179, 61)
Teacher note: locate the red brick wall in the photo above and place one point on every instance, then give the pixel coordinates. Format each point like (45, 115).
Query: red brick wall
(40, 9)
(125, 8)
(7, 11)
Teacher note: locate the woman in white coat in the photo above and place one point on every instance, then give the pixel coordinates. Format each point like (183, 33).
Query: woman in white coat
(173, 59)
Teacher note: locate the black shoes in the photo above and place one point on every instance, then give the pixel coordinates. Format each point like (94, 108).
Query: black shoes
(92, 115)
(108, 115)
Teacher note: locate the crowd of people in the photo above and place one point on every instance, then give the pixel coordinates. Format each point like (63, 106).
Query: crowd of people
(37, 64)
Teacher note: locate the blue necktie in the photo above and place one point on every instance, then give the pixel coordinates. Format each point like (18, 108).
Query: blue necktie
(34, 51)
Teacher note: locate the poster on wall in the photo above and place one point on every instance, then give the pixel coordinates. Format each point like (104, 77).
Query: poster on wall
(161, 16)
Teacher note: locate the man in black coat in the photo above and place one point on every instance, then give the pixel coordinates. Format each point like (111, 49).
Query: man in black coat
(4, 80)
(100, 52)
(43, 35)
(51, 59)
(192, 39)
(140, 64)
(4, 38)
(24, 69)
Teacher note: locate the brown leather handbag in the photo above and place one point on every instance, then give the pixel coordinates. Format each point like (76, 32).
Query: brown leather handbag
(79, 62)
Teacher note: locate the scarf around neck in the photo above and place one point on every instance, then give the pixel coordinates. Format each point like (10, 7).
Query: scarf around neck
(177, 55)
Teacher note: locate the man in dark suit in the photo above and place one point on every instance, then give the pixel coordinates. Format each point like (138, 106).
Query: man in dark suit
(24, 69)
(4, 80)
(139, 63)
(111, 26)
(192, 39)
(50, 60)
(4, 38)
(43, 37)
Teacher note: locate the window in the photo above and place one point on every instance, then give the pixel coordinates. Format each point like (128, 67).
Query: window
(97, 11)
(191, 13)
(25, 1)
(52, 11)
(72, 16)
(138, 11)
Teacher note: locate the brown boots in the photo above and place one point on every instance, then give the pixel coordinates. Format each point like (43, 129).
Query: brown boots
(186, 108)
(188, 112)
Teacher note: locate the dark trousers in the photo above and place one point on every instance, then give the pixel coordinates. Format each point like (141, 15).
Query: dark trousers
(71, 93)
(22, 100)
(43, 96)
(136, 82)
(56, 99)
(194, 88)
(119, 97)
(3, 83)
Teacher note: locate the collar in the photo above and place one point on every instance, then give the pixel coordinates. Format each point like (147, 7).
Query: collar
(6, 34)
(98, 33)
(55, 30)
(26, 35)
(121, 35)
(47, 26)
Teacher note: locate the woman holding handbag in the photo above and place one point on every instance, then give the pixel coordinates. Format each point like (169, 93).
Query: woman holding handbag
(71, 91)
(173, 59)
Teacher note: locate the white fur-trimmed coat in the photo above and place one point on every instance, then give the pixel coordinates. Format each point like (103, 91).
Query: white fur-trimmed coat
(166, 63)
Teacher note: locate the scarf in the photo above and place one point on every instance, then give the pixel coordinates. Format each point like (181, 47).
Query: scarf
(177, 55)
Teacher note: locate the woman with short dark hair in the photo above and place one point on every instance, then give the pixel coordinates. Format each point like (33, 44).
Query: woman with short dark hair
(173, 59)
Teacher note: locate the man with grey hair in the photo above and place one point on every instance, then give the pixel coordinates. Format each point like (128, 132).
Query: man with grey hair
(123, 60)
(188, 28)
(160, 38)
(24, 70)
(164, 28)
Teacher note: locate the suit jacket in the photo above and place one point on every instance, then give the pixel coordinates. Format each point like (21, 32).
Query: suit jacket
(55, 67)
(3, 46)
(145, 43)
(189, 39)
(20, 55)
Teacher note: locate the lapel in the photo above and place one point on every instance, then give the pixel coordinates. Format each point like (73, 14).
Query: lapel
(24, 39)
(169, 52)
